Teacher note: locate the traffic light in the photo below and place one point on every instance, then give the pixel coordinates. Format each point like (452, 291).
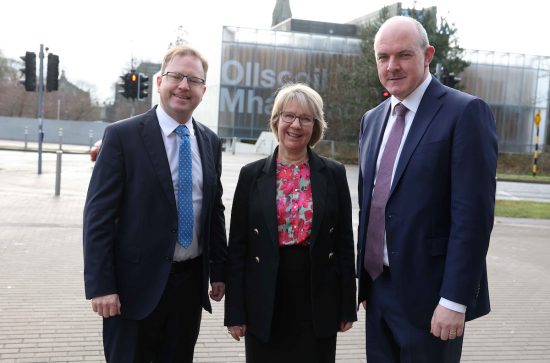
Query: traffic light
(124, 85)
(29, 71)
(133, 84)
(129, 85)
(142, 86)
(385, 95)
(52, 78)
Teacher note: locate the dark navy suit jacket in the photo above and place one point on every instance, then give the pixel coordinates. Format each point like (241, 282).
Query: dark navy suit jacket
(130, 216)
(440, 210)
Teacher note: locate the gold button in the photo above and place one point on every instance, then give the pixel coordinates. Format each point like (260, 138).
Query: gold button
(257, 259)
(256, 232)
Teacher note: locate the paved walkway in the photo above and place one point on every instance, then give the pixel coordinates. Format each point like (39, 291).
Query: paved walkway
(45, 318)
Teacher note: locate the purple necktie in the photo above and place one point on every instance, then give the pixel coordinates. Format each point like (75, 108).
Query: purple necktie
(374, 246)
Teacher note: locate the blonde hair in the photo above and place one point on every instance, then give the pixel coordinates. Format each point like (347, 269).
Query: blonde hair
(308, 99)
(182, 50)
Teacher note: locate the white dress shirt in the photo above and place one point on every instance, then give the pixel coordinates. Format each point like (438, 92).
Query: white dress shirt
(171, 143)
(411, 102)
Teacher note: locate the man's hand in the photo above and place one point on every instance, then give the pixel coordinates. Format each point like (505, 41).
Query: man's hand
(446, 323)
(218, 290)
(237, 331)
(106, 306)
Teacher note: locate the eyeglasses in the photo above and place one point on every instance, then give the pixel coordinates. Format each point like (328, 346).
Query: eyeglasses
(289, 117)
(175, 77)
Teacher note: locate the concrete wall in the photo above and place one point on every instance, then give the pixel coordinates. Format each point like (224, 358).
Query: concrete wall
(74, 132)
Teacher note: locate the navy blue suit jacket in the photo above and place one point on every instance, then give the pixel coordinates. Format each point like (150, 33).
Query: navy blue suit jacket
(130, 216)
(440, 210)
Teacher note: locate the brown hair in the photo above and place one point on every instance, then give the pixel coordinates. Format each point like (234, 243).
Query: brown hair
(181, 50)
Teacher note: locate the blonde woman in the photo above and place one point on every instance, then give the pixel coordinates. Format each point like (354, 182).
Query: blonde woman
(291, 273)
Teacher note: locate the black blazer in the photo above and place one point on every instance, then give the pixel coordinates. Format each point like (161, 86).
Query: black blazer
(130, 216)
(254, 250)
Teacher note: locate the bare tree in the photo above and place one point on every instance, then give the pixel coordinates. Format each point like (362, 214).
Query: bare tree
(181, 37)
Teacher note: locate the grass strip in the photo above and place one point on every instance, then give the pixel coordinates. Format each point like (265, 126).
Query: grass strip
(522, 209)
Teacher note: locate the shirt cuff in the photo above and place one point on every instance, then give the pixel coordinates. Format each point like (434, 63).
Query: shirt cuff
(459, 308)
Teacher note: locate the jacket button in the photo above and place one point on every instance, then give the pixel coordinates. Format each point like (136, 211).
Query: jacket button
(256, 232)
(330, 255)
(331, 230)
(257, 259)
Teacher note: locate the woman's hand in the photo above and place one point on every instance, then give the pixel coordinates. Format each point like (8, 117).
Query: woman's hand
(345, 326)
(237, 331)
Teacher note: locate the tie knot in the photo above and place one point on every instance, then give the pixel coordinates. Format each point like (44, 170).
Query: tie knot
(182, 130)
(400, 110)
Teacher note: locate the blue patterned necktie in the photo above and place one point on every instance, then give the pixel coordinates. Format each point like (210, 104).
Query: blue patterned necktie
(185, 189)
(374, 245)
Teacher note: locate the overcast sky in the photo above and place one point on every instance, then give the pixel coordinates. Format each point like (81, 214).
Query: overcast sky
(96, 40)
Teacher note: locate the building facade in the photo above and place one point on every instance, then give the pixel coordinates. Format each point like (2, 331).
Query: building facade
(255, 63)
(517, 86)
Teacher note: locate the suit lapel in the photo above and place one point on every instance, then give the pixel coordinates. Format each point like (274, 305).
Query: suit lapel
(267, 189)
(319, 192)
(428, 108)
(152, 139)
(370, 149)
(208, 169)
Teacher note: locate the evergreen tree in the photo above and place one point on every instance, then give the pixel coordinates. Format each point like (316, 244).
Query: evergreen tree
(443, 38)
(359, 88)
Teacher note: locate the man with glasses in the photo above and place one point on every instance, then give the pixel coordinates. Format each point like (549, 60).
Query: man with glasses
(154, 227)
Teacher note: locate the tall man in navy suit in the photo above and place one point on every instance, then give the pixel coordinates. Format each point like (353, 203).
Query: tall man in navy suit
(427, 274)
(149, 287)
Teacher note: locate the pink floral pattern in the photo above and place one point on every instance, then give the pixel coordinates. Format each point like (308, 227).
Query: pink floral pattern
(294, 203)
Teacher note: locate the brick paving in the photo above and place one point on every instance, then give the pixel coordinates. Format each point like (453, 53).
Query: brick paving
(45, 318)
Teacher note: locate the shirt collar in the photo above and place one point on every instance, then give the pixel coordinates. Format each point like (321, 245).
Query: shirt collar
(413, 100)
(168, 125)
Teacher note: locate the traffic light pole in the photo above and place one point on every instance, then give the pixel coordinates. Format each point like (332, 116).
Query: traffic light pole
(40, 107)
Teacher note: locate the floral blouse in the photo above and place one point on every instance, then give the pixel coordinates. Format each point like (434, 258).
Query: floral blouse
(294, 203)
